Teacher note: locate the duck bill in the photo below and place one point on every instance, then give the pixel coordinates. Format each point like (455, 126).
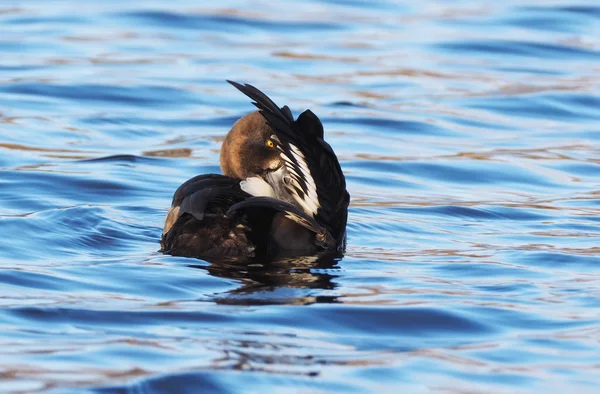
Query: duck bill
(275, 180)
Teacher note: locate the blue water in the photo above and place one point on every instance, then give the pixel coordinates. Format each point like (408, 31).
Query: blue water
(470, 136)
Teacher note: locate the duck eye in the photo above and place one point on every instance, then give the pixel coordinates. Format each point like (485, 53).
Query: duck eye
(269, 143)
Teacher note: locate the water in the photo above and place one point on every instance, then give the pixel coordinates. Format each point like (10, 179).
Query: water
(468, 131)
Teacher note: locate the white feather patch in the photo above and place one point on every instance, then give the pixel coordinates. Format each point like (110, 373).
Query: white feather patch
(257, 187)
(310, 202)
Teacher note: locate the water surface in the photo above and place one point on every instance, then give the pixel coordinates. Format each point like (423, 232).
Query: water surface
(470, 136)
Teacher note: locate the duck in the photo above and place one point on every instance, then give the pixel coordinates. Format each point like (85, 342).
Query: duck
(282, 192)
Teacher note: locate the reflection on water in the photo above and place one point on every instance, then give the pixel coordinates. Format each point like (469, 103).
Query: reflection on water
(273, 282)
(469, 135)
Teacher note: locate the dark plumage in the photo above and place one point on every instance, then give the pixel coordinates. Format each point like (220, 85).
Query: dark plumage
(283, 192)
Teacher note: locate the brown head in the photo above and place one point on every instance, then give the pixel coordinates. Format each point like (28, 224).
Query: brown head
(248, 149)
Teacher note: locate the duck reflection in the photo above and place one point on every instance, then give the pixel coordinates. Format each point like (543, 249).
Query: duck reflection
(287, 280)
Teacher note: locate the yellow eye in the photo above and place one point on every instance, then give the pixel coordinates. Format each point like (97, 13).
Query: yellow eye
(270, 144)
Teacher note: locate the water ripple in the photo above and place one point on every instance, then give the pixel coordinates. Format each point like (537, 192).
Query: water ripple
(468, 134)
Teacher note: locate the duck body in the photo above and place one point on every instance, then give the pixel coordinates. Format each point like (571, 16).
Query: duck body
(282, 193)
(201, 223)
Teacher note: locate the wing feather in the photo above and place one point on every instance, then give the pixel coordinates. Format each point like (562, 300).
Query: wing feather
(322, 236)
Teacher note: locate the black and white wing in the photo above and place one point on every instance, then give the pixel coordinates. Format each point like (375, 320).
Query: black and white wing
(314, 177)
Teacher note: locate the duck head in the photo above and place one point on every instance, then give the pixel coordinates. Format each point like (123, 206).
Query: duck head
(249, 149)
